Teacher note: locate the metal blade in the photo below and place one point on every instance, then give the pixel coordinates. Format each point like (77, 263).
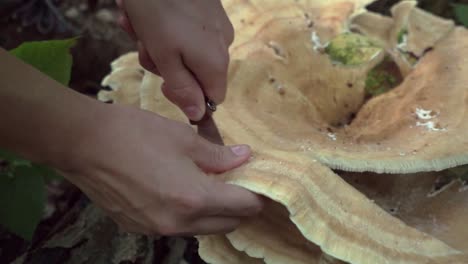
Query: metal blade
(206, 127)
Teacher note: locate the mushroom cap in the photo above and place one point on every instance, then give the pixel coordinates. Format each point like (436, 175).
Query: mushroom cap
(288, 96)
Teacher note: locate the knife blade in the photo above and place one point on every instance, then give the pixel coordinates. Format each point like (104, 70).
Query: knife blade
(206, 127)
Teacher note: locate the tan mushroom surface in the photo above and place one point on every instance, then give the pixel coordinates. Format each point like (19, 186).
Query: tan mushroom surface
(124, 82)
(300, 94)
(295, 98)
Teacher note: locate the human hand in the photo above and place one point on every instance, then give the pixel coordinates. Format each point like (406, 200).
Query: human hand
(147, 173)
(186, 43)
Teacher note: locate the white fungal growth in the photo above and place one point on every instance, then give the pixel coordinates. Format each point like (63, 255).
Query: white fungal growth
(332, 136)
(424, 114)
(317, 42)
(430, 125)
(427, 115)
(404, 43)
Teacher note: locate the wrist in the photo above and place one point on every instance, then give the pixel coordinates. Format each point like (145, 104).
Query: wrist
(69, 150)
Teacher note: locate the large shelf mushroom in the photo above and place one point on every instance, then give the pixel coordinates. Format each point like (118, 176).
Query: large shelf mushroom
(309, 90)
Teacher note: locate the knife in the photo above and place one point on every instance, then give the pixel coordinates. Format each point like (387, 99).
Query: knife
(206, 127)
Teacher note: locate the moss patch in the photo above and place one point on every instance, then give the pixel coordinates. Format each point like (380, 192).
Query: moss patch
(402, 35)
(352, 49)
(383, 78)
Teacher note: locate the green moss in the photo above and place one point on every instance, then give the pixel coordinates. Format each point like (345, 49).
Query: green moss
(352, 49)
(382, 78)
(401, 35)
(378, 82)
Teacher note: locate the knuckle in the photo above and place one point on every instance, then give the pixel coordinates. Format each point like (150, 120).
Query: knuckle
(219, 64)
(187, 204)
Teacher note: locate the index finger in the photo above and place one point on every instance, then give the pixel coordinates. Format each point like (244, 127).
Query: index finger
(231, 200)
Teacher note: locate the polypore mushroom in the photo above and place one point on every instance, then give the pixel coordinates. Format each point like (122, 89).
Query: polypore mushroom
(124, 82)
(304, 101)
(313, 211)
(323, 109)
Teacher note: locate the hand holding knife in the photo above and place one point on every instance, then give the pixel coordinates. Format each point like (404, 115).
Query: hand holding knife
(206, 127)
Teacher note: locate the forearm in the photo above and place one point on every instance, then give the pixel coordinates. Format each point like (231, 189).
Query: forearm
(41, 119)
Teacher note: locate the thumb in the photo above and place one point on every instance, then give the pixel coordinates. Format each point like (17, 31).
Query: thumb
(215, 158)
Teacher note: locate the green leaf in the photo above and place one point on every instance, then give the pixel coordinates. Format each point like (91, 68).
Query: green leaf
(14, 161)
(51, 57)
(8, 156)
(49, 174)
(461, 13)
(22, 201)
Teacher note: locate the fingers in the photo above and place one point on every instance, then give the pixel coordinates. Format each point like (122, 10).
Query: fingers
(181, 88)
(214, 225)
(124, 22)
(231, 200)
(215, 158)
(145, 59)
(210, 65)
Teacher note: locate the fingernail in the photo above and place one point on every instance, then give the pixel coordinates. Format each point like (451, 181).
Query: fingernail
(193, 112)
(240, 150)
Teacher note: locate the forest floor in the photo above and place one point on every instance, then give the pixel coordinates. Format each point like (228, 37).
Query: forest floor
(101, 42)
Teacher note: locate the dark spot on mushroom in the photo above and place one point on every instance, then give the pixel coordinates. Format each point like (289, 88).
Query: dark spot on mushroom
(276, 49)
(350, 85)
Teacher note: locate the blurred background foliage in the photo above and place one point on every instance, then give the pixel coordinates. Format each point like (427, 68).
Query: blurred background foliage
(452, 9)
